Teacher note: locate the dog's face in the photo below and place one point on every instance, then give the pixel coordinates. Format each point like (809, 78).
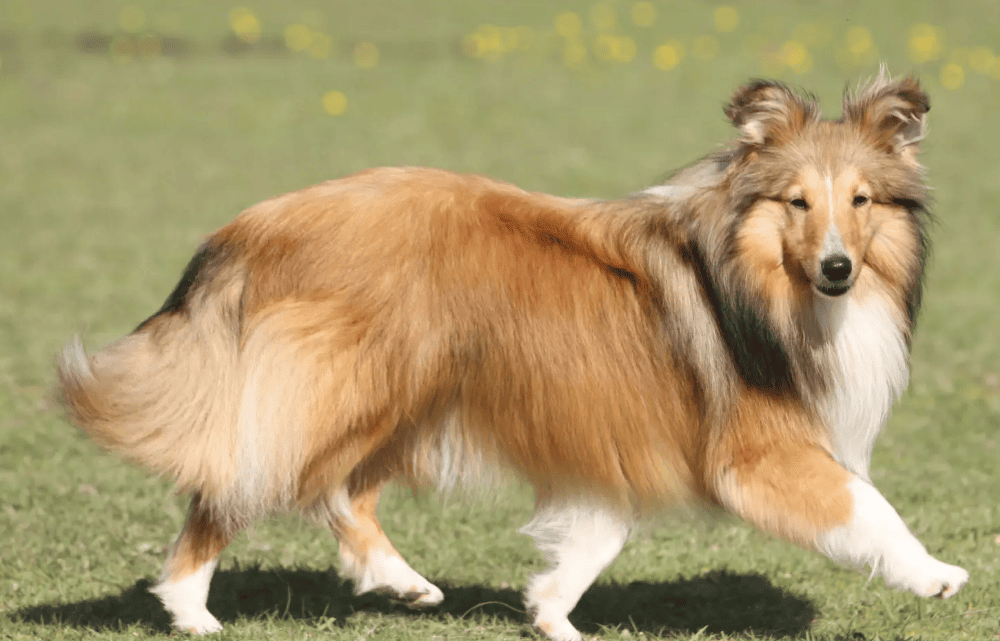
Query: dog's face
(827, 221)
(816, 193)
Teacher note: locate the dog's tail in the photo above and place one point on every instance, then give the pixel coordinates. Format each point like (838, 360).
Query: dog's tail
(194, 396)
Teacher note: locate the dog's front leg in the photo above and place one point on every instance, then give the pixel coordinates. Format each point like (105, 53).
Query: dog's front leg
(795, 489)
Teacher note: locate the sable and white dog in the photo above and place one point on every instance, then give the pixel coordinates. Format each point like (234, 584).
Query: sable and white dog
(736, 336)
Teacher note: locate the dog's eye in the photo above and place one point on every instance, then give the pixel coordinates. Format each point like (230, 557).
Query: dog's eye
(799, 203)
(860, 201)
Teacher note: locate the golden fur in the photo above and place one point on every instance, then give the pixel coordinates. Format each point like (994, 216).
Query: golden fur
(437, 327)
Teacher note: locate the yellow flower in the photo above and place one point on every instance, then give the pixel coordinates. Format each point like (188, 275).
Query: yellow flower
(298, 37)
(725, 19)
(643, 13)
(952, 76)
(334, 103)
(245, 24)
(366, 55)
(668, 55)
(925, 43)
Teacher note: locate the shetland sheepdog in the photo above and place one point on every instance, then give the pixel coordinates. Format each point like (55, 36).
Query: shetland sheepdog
(735, 336)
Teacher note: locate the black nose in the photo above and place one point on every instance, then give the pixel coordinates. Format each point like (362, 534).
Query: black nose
(837, 268)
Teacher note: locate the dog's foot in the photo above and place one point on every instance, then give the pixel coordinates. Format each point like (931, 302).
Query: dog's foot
(940, 580)
(203, 623)
(556, 629)
(926, 577)
(197, 623)
(391, 576)
(185, 600)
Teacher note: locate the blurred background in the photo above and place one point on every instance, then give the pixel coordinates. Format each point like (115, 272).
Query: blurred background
(129, 130)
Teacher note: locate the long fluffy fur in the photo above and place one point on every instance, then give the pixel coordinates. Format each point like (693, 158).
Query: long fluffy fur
(439, 327)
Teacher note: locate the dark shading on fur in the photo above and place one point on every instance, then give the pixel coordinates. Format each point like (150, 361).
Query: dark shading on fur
(199, 269)
(757, 353)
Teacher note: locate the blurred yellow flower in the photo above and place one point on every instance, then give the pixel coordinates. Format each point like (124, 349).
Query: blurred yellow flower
(366, 55)
(859, 40)
(796, 57)
(298, 37)
(668, 55)
(614, 48)
(334, 103)
(725, 19)
(857, 50)
(568, 25)
(952, 76)
(643, 13)
(625, 49)
(245, 24)
(925, 43)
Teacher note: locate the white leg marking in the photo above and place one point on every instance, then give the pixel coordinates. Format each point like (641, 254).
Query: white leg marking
(580, 540)
(877, 537)
(185, 600)
(389, 574)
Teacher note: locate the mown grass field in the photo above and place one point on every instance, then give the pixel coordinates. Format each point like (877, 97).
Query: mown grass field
(128, 131)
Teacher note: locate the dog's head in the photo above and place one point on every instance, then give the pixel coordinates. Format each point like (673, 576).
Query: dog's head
(818, 194)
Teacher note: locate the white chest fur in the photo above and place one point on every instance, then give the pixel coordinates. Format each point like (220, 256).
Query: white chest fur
(870, 370)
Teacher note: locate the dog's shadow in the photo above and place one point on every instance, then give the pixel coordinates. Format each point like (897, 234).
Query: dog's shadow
(719, 602)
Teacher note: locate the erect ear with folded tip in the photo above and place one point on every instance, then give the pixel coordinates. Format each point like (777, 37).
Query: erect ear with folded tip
(893, 113)
(768, 112)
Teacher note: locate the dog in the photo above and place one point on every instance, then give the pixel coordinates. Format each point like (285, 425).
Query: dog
(735, 336)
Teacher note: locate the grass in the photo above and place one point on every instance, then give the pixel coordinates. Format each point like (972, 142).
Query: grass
(114, 164)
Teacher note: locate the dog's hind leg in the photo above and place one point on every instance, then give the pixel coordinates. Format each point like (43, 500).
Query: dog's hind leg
(366, 553)
(183, 586)
(580, 538)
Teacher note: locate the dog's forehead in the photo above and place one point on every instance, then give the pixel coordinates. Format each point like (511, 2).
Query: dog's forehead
(830, 149)
(834, 175)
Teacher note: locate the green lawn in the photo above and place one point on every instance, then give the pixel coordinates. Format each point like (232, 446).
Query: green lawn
(128, 131)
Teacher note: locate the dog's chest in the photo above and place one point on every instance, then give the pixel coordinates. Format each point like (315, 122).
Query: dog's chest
(870, 364)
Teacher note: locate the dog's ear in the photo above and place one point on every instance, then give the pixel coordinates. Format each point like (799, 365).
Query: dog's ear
(767, 112)
(892, 113)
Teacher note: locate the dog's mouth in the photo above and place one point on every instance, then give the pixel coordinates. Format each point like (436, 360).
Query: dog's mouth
(832, 290)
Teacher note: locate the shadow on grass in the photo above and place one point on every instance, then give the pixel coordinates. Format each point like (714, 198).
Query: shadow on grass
(717, 601)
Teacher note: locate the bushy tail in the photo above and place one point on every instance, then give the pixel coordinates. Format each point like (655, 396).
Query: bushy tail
(162, 397)
(185, 397)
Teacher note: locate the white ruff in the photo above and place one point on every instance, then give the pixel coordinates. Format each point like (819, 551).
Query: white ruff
(870, 371)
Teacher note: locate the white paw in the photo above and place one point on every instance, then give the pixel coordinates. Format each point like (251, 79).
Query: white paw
(924, 576)
(197, 622)
(557, 629)
(390, 575)
(185, 600)
(941, 580)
